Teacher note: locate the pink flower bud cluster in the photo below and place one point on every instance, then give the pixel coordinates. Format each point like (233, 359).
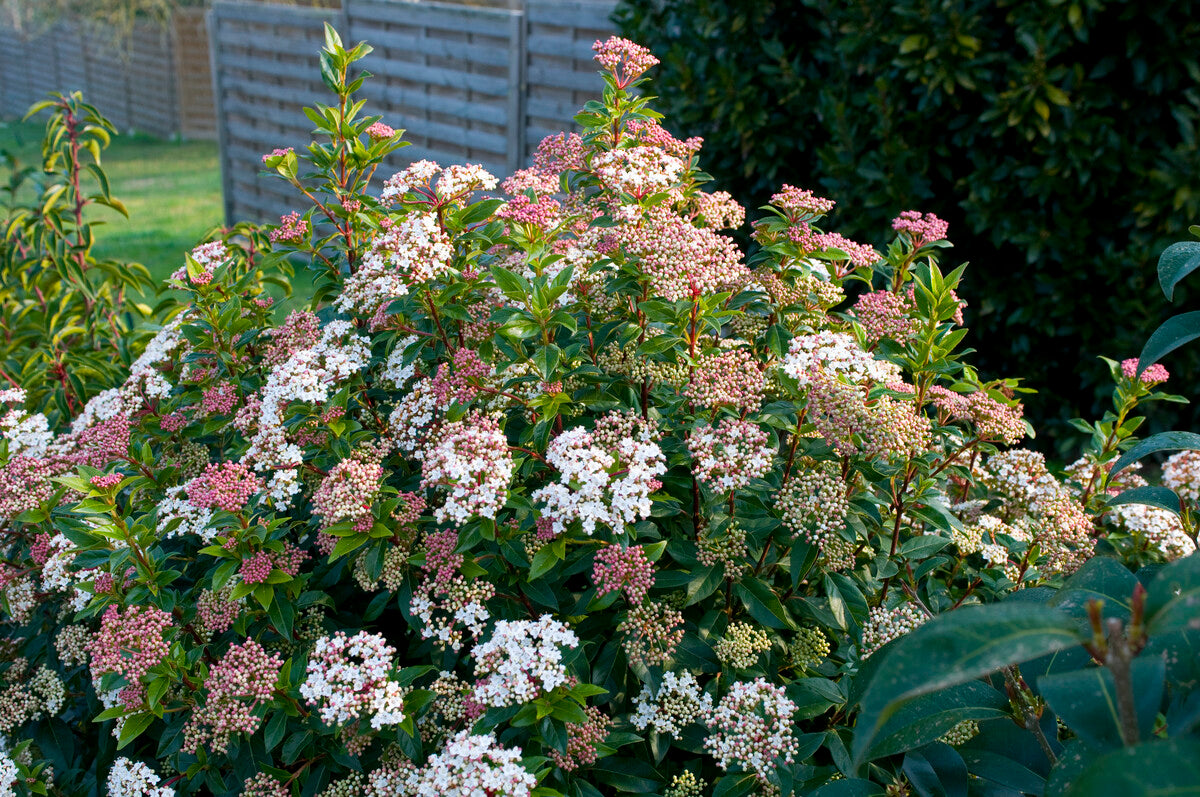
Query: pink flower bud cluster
(883, 427)
(1153, 375)
(219, 399)
(856, 254)
(652, 134)
(380, 132)
(98, 445)
(652, 631)
(225, 485)
(622, 58)
(278, 152)
(885, 316)
(727, 378)
(920, 229)
(25, 484)
(544, 212)
(559, 153)
(522, 661)
(459, 381)
(623, 569)
(752, 728)
(728, 456)
(469, 461)
(238, 685)
(800, 204)
(301, 330)
(348, 493)
(107, 481)
(172, 422)
(582, 740)
(720, 210)
(471, 766)
(129, 644)
(292, 229)
(441, 562)
(679, 259)
(348, 680)
(217, 611)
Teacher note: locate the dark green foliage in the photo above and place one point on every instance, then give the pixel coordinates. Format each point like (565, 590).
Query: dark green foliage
(1058, 138)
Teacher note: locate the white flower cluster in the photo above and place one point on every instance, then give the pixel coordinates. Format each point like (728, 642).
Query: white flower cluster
(586, 490)
(135, 779)
(469, 766)
(12, 395)
(410, 251)
(752, 727)
(282, 487)
(1159, 527)
(396, 370)
(1181, 473)
(679, 703)
(639, 171)
(455, 181)
(57, 575)
(412, 418)
(469, 460)
(8, 776)
(348, 680)
(884, 625)
(835, 353)
(145, 381)
(521, 661)
(307, 375)
(192, 519)
(728, 456)
(27, 435)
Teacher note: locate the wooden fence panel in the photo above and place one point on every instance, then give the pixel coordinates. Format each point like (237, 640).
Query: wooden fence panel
(68, 55)
(194, 86)
(450, 75)
(154, 108)
(15, 93)
(265, 69)
(560, 75)
(108, 82)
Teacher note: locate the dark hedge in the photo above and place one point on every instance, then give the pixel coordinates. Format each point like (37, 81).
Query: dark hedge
(1058, 138)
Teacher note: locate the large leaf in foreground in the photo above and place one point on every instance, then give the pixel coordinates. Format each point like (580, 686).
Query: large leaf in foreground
(1160, 768)
(954, 648)
(1163, 441)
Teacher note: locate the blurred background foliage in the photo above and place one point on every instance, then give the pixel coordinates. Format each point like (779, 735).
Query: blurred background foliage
(1057, 137)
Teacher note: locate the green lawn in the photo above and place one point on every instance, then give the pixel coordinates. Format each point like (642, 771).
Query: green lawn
(172, 190)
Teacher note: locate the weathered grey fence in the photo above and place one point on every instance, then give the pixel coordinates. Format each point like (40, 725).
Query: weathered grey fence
(137, 89)
(468, 84)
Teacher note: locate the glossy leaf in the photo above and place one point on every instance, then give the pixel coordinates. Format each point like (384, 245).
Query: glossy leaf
(1176, 262)
(926, 718)
(1170, 335)
(954, 648)
(1156, 769)
(1086, 700)
(1163, 441)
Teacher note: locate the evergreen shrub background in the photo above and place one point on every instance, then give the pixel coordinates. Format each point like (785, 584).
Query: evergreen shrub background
(1058, 138)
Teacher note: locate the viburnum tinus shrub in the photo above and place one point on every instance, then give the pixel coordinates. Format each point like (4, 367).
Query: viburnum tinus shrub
(549, 490)
(69, 330)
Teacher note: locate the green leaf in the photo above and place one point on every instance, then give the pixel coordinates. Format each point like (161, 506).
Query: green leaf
(1176, 262)
(627, 775)
(1150, 495)
(133, 728)
(1171, 334)
(956, 647)
(1159, 768)
(1163, 441)
(763, 604)
(922, 547)
(1101, 578)
(1173, 597)
(544, 561)
(849, 787)
(926, 718)
(1003, 770)
(1086, 700)
(704, 583)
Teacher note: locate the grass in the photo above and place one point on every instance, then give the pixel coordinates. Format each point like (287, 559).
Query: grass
(172, 190)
